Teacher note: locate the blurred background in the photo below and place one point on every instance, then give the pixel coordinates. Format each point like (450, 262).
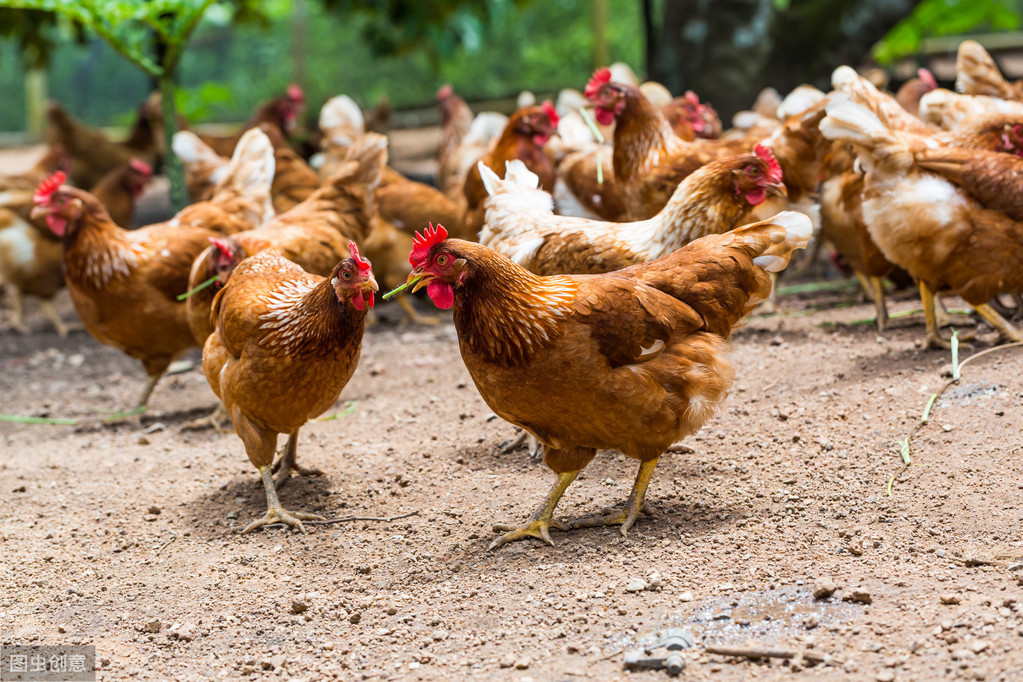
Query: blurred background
(246, 51)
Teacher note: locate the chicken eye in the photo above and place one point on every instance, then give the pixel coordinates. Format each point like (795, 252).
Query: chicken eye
(754, 170)
(442, 260)
(347, 275)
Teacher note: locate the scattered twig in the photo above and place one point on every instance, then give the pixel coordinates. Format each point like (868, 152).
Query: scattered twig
(760, 652)
(165, 545)
(957, 370)
(385, 519)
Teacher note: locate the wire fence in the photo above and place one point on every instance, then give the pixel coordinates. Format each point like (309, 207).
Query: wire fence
(228, 70)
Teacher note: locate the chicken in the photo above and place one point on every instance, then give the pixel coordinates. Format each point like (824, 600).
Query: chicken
(124, 284)
(282, 111)
(650, 160)
(293, 179)
(950, 110)
(30, 261)
(118, 190)
(633, 360)
(285, 345)
(942, 236)
(314, 234)
(977, 74)
(241, 199)
(31, 257)
(845, 79)
(912, 90)
(580, 191)
(93, 154)
(523, 138)
(995, 179)
(724, 194)
(16, 190)
(455, 120)
(690, 118)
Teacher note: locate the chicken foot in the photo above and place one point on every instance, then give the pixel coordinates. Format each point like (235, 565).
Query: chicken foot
(274, 512)
(1004, 327)
(634, 506)
(288, 463)
(534, 447)
(873, 287)
(217, 420)
(51, 313)
(18, 314)
(539, 524)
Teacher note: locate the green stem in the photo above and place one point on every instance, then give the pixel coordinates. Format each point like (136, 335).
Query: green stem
(403, 287)
(211, 280)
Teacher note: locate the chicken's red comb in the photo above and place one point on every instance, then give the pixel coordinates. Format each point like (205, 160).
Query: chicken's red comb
(425, 241)
(600, 76)
(223, 246)
(774, 173)
(295, 93)
(363, 264)
(551, 112)
(140, 166)
(692, 97)
(47, 187)
(444, 92)
(927, 77)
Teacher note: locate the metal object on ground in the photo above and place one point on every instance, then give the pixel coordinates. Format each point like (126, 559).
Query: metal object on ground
(665, 654)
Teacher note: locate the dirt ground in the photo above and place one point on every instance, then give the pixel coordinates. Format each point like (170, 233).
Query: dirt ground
(125, 535)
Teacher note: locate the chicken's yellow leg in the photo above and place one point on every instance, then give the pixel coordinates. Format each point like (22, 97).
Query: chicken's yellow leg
(880, 305)
(934, 339)
(635, 505)
(51, 313)
(289, 463)
(538, 525)
(1004, 327)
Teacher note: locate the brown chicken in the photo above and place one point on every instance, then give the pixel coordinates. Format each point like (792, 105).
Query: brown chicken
(241, 199)
(719, 197)
(119, 189)
(455, 120)
(580, 191)
(977, 74)
(690, 118)
(523, 138)
(650, 160)
(941, 235)
(314, 235)
(31, 256)
(633, 360)
(285, 345)
(93, 154)
(30, 262)
(16, 191)
(124, 284)
(912, 90)
(282, 111)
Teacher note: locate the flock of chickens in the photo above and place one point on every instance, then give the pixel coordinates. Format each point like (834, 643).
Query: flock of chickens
(594, 286)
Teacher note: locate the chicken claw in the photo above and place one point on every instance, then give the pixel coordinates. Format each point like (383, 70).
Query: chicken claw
(274, 512)
(635, 505)
(539, 524)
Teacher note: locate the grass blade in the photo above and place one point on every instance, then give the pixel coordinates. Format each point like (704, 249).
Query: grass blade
(211, 280)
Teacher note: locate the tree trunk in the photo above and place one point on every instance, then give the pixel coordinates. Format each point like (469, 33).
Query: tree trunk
(172, 164)
(728, 50)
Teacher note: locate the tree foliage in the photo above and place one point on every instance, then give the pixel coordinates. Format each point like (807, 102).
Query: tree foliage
(946, 18)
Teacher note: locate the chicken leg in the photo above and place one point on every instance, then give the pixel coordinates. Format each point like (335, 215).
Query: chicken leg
(288, 463)
(934, 339)
(274, 512)
(539, 524)
(635, 505)
(51, 313)
(1003, 326)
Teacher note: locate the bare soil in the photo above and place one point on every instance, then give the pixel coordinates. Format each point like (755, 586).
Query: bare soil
(125, 535)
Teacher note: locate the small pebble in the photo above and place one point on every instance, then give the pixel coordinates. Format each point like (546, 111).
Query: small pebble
(824, 587)
(949, 599)
(636, 585)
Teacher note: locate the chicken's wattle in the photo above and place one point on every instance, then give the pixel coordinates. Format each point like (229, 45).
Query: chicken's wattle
(360, 301)
(441, 293)
(756, 196)
(605, 117)
(57, 224)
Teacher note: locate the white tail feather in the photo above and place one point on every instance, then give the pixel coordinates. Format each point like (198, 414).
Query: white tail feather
(517, 172)
(341, 120)
(491, 182)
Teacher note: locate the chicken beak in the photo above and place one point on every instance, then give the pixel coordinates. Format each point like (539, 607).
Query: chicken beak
(777, 190)
(371, 283)
(418, 280)
(38, 212)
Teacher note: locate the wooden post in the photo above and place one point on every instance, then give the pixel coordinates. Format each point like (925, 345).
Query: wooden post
(35, 102)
